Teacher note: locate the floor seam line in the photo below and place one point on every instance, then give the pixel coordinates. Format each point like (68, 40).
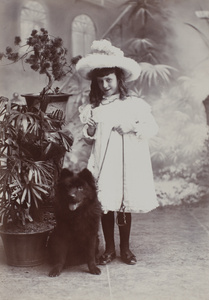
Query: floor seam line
(198, 221)
(109, 283)
(108, 273)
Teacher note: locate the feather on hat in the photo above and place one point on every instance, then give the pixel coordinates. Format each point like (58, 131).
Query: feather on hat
(105, 55)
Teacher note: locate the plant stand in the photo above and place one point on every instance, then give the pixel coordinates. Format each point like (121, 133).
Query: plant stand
(53, 102)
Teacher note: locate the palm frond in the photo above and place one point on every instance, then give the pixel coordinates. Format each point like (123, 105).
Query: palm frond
(203, 36)
(3, 101)
(142, 7)
(153, 73)
(140, 44)
(67, 140)
(42, 172)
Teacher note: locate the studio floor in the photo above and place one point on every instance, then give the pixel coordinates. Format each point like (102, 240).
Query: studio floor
(172, 248)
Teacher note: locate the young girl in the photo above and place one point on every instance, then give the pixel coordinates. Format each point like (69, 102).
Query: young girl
(119, 126)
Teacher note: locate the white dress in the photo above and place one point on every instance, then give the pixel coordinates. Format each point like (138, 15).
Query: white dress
(121, 164)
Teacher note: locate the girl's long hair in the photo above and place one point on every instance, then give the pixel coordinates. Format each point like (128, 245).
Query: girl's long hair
(95, 95)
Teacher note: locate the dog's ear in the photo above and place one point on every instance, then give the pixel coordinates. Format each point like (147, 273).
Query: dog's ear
(65, 173)
(86, 175)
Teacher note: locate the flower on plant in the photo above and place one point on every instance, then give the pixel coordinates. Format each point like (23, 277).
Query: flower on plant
(17, 40)
(44, 53)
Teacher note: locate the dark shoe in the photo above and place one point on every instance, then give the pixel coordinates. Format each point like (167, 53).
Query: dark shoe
(128, 257)
(107, 258)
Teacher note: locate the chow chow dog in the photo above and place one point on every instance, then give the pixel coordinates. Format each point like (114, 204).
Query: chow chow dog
(74, 239)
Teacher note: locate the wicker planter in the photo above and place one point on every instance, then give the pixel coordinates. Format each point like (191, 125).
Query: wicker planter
(53, 102)
(25, 249)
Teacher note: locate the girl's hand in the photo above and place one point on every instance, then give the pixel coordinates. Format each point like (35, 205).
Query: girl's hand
(91, 127)
(124, 128)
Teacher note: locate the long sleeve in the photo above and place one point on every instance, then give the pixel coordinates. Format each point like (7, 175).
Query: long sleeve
(85, 114)
(145, 125)
(146, 129)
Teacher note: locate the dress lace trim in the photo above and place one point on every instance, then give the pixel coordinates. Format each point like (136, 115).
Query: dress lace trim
(110, 99)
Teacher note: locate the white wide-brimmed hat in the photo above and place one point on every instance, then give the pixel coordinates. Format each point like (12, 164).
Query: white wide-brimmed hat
(105, 55)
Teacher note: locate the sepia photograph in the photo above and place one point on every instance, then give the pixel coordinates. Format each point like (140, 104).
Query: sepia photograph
(104, 149)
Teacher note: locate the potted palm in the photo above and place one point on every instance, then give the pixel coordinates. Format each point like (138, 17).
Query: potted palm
(46, 55)
(32, 146)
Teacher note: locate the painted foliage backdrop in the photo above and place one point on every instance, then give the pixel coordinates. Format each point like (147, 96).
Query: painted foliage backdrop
(160, 42)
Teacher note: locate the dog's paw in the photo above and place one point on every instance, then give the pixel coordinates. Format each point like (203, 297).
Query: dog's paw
(95, 270)
(55, 271)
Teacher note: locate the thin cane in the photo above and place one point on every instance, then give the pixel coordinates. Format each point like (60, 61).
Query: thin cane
(122, 207)
(108, 141)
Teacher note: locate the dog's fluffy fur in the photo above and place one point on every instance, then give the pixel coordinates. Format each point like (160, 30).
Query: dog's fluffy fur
(75, 238)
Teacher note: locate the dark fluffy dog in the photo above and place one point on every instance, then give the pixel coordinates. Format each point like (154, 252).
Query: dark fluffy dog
(75, 238)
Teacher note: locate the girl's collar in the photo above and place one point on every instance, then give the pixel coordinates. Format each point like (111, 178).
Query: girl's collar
(109, 99)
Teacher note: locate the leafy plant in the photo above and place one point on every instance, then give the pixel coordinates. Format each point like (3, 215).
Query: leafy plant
(149, 24)
(148, 19)
(32, 144)
(45, 54)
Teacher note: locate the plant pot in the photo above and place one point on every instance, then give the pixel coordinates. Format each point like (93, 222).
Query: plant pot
(25, 249)
(52, 102)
